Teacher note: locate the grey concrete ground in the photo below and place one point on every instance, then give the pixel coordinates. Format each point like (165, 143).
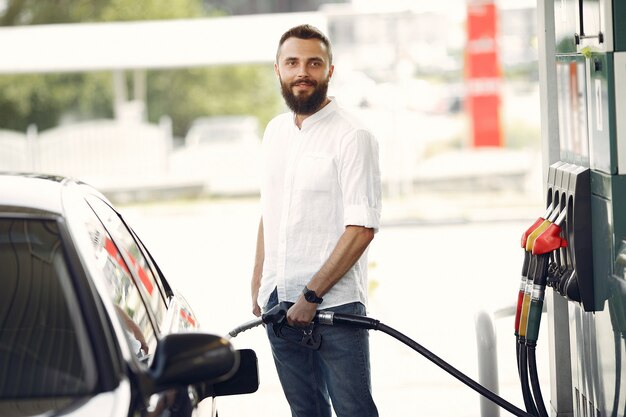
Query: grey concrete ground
(437, 260)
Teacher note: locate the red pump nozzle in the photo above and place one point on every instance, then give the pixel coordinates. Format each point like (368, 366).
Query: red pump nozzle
(549, 241)
(529, 239)
(540, 224)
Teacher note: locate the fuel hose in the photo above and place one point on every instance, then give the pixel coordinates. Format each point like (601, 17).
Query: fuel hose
(534, 380)
(277, 316)
(453, 371)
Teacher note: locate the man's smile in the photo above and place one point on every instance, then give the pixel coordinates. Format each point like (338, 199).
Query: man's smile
(303, 85)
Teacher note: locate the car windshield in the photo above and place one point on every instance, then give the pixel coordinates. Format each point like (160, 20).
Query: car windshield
(40, 345)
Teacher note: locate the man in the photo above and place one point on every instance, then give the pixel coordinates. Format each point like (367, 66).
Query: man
(321, 201)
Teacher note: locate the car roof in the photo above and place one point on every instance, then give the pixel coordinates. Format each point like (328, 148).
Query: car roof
(32, 193)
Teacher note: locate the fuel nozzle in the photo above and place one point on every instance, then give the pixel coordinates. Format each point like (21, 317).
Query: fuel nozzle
(546, 243)
(277, 317)
(526, 283)
(276, 314)
(308, 336)
(525, 266)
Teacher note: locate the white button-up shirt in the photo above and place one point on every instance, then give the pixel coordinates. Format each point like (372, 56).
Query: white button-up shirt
(316, 181)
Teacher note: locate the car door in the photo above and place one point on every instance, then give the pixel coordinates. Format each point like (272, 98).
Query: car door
(144, 303)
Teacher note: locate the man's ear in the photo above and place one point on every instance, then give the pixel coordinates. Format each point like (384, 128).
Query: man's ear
(330, 71)
(276, 71)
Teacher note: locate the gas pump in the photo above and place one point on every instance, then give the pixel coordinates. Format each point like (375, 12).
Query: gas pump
(584, 90)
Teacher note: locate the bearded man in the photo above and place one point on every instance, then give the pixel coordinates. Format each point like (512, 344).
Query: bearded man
(320, 203)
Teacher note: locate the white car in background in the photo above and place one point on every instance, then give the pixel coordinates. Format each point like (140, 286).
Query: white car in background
(223, 153)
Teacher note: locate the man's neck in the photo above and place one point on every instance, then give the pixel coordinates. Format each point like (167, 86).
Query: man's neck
(300, 117)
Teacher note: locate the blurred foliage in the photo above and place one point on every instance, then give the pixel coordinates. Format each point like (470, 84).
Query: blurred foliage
(44, 100)
(47, 100)
(250, 89)
(124, 10)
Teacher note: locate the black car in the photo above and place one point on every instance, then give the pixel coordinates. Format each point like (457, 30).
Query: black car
(88, 324)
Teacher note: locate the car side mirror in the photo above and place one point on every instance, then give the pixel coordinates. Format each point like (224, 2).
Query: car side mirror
(244, 381)
(191, 358)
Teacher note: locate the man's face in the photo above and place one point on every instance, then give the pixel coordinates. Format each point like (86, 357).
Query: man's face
(304, 70)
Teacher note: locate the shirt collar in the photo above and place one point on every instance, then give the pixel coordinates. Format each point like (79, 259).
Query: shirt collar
(320, 114)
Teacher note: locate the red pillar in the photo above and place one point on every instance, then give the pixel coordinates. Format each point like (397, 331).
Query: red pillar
(482, 74)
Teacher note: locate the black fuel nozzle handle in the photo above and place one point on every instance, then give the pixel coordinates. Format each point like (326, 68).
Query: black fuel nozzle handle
(278, 314)
(303, 336)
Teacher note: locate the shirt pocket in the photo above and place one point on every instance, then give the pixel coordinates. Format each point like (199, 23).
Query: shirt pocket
(315, 172)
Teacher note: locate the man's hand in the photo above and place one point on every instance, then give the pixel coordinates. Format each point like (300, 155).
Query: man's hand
(256, 310)
(301, 313)
(259, 258)
(144, 346)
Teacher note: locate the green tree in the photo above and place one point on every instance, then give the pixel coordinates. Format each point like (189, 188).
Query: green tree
(183, 94)
(124, 10)
(37, 12)
(223, 90)
(44, 100)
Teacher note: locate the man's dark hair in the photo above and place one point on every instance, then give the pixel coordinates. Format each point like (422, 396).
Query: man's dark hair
(306, 32)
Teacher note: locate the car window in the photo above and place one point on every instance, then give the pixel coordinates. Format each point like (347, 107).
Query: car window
(122, 289)
(138, 262)
(43, 343)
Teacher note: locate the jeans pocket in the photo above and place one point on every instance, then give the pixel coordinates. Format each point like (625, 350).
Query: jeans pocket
(272, 301)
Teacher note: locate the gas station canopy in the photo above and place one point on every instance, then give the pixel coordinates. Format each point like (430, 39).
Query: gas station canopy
(146, 44)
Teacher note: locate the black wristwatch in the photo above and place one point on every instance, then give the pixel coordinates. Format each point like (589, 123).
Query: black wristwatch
(310, 296)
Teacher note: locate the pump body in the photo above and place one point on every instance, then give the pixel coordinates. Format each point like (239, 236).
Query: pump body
(583, 94)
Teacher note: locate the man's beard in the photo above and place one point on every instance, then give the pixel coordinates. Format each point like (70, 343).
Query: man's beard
(302, 104)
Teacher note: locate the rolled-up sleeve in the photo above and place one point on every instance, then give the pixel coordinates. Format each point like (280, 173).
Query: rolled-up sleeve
(359, 172)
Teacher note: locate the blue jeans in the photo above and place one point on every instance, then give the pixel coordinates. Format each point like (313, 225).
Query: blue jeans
(339, 372)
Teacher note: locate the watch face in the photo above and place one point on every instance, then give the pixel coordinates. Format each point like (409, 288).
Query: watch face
(311, 297)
